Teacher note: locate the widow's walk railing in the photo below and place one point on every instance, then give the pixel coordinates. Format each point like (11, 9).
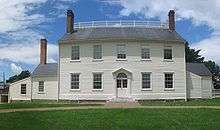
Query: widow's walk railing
(121, 23)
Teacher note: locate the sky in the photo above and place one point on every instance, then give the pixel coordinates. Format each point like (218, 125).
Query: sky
(24, 22)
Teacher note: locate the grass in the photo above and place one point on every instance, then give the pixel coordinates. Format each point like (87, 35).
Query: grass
(43, 104)
(20, 105)
(113, 119)
(194, 102)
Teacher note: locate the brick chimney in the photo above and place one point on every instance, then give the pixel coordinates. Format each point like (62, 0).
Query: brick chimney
(70, 21)
(43, 51)
(171, 20)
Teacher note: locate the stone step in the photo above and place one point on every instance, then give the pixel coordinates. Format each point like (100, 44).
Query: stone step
(122, 100)
(122, 104)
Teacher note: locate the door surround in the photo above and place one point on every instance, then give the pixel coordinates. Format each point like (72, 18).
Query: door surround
(122, 78)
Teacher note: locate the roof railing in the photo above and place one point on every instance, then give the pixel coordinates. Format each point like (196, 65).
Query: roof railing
(121, 23)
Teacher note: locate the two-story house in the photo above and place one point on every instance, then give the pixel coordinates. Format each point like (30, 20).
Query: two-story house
(118, 60)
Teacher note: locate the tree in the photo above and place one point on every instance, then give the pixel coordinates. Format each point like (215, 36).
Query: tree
(22, 75)
(192, 55)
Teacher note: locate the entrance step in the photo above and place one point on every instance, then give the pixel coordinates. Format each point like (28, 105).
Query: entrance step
(121, 100)
(122, 104)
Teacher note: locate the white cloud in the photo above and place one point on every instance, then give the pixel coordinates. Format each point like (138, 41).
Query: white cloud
(21, 23)
(15, 69)
(14, 15)
(198, 11)
(26, 53)
(209, 48)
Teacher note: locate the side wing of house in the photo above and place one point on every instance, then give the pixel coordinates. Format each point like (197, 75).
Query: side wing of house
(44, 81)
(198, 81)
(20, 90)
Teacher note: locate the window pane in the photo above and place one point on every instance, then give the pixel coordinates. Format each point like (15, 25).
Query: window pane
(167, 53)
(74, 81)
(41, 86)
(23, 88)
(121, 51)
(97, 49)
(145, 53)
(97, 81)
(124, 81)
(118, 83)
(168, 80)
(75, 53)
(146, 80)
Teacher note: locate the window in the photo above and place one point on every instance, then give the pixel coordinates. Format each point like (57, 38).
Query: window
(41, 86)
(168, 80)
(121, 51)
(168, 54)
(23, 89)
(75, 53)
(145, 53)
(97, 81)
(97, 52)
(74, 81)
(146, 80)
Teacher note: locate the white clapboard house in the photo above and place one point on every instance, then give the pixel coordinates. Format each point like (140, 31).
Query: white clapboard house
(115, 60)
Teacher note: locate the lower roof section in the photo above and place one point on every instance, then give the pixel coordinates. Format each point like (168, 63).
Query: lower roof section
(49, 69)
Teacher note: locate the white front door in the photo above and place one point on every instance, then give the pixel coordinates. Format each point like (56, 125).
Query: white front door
(122, 85)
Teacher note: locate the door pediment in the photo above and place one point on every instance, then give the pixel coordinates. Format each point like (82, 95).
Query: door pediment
(122, 70)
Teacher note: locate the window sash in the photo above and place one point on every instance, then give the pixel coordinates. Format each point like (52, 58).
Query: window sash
(121, 51)
(75, 54)
(146, 80)
(97, 81)
(23, 89)
(74, 81)
(97, 49)
(168, 80)
(145, 53)
(41, 86)
(168, 54)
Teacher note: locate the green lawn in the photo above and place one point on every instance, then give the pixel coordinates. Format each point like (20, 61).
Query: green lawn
(113, 119)
(194, 102)
(20, 105)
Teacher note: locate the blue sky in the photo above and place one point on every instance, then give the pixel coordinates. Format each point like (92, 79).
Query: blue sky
(24, 22)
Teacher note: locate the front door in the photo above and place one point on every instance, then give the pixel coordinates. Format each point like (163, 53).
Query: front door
(122, 85)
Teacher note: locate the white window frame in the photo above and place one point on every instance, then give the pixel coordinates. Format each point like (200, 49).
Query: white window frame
(149, 52)
(146, 89)
(39, 85)
(23, 90)
(97, 51)
(76, 53)
(98, 89)
(168, 48)
(71, 74)
(121, 51)
(164, 79)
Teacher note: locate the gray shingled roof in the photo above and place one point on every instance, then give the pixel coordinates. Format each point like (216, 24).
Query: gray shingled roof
(49, 69)
(122, 33)
(198, 69)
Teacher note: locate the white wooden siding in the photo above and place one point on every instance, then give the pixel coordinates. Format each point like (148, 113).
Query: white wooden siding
(206, 87)
(157, 66)
(50, 88)
(15, 90)
(194, 85)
